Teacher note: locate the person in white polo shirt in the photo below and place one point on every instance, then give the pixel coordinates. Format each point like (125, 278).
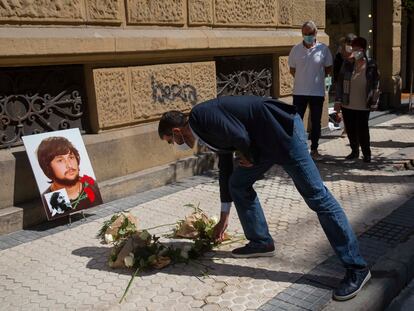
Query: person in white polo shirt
(310, 61)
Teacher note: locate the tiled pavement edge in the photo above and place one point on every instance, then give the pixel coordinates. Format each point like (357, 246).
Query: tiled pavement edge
(64, 268)
(392, 266)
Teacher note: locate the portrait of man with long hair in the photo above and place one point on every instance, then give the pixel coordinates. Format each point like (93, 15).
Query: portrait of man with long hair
(60, 161)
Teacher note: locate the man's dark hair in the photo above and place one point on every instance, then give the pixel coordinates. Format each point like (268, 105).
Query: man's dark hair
(169, 120)
(360, 42)
(51, 147)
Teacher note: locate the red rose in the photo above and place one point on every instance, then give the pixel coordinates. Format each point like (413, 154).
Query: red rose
(87, 179)
(89, 192)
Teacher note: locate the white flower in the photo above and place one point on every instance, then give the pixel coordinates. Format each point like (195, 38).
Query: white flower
(185, 250)
(144, 235)
(214, 219)
(109, 238)
(129, 260)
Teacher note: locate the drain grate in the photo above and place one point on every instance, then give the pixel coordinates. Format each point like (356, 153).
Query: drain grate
(388, 232)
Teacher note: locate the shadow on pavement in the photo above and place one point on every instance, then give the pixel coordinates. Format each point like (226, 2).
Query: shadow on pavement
(207, 267)
(391, 144)
(395, 126)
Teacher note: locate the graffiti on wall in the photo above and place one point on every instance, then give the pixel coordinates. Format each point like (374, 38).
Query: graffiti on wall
(166, 93)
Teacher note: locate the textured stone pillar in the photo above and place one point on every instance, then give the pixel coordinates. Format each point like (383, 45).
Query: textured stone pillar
(388, 49)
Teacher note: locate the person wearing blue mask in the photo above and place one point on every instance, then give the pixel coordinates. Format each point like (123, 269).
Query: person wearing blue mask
(263, 132)
(309, 62)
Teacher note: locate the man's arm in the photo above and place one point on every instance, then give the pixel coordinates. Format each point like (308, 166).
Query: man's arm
(328, 70)
(339, 89)
(225, 165)
(292, 71)
(225, 170)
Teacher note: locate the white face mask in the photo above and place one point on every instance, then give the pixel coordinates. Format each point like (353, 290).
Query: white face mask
(183, 146)
(348, 48)
(358, 55)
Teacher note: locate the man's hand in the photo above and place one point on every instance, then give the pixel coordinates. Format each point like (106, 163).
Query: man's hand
(337, 106)
(221, 227)
(338, 117)
(244, 162)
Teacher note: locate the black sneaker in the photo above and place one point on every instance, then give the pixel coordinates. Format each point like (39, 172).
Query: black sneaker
(249, 251)
(352, 284)
(352, 155)
(367, 159)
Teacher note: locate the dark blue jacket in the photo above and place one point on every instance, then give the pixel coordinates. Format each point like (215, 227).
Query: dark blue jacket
(257, 127)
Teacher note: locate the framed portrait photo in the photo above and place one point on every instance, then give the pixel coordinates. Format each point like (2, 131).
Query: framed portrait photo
(63, 172)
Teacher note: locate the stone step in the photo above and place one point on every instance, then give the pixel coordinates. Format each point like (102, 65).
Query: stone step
(30, 213)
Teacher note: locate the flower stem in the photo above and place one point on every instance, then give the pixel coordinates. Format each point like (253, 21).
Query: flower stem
(230, 242)
(198, 262)
(129, 284)
(160, 226)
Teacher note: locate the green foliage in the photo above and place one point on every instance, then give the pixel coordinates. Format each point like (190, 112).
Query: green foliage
(147, 251)
(127, 228)
(200, 247)
(408, 4)
(196, 209)
(205, 229)
(105, 226)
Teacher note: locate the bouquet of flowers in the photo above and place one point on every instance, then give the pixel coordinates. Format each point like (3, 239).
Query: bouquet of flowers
(133, 248)
(198, 227)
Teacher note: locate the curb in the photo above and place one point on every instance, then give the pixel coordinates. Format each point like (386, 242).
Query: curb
(390, 275)
(325, 131)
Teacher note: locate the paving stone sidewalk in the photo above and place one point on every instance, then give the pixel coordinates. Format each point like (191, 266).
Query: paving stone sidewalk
(65, 268)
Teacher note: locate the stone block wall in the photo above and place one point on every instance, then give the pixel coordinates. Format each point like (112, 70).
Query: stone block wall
(228, 13)
(127, 95)
(388, 55)
(285, 79)
(60, 11)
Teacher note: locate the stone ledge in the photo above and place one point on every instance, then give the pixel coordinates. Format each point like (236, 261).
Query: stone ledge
(28, 214)
(11, 219)
(25, 41)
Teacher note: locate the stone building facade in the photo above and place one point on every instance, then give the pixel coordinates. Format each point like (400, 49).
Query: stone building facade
(112, 67)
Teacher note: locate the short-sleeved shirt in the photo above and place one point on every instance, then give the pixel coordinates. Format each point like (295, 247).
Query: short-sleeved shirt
(309, 67)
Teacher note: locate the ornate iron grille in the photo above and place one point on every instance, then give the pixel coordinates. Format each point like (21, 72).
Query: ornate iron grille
(244, 75)
(35, 100)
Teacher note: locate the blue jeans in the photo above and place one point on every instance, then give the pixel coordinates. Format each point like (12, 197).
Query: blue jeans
(315, 107)
(308, 182)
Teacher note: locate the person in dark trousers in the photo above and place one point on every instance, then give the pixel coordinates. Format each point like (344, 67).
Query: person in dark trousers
(264, 132)
(309, 62)
(357, 93)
